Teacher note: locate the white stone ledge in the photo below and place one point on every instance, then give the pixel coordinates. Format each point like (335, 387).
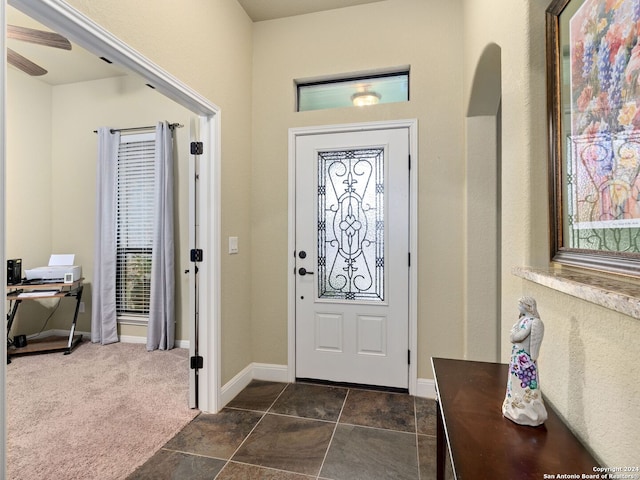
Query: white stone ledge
(621, 294)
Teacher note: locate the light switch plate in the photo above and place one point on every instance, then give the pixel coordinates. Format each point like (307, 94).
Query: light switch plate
(233, 245)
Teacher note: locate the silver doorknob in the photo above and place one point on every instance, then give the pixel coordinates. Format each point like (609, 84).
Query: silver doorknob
(303, 271)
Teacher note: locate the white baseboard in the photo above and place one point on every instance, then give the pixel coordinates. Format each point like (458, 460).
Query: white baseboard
(426, 388)
(132, 339)
(123, 338)
(279, 373)
(253, 371)
(270, 373)
(139, 339)
(234, 386)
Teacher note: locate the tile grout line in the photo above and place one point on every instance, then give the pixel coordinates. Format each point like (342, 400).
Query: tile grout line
(264, 414)
(289, 415)
(272, 469)
(383, 429)
(278, 397)
(326, 453)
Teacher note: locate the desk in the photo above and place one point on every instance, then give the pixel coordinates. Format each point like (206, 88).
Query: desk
(17, 294)
(482, 443)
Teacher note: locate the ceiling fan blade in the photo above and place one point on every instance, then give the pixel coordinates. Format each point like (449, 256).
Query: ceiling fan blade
(40, 37)
(24, 64)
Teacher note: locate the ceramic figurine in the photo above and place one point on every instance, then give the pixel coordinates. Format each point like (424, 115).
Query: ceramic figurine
(523, 403)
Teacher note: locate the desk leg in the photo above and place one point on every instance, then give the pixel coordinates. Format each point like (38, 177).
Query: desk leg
(10, 319)
(441, 451)
(75, 319)
(12, 316)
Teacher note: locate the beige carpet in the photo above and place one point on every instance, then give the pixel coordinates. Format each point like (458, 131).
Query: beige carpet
(95, 414)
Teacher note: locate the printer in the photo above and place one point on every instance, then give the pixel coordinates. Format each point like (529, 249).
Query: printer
(60, 269)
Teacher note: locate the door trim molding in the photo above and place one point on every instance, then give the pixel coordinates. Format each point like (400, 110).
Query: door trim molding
(294, 133)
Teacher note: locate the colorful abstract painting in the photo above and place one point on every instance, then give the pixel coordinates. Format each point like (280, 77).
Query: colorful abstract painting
(604, 142)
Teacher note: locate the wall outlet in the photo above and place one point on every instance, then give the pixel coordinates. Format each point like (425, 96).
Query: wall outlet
(81, 308)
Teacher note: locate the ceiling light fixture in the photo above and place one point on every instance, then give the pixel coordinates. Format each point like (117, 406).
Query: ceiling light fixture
(362, 99)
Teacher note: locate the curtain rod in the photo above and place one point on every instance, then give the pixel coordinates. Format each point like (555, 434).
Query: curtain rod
(151, 127)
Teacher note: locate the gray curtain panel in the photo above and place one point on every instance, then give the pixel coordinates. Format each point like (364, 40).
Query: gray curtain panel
(161, 326)
(103, 313)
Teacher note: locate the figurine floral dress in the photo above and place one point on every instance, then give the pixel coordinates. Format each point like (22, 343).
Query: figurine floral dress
(523, 402)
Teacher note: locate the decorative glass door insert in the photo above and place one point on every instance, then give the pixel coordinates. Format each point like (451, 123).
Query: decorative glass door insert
(351, 226)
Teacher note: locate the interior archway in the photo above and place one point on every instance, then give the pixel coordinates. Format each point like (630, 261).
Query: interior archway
(486, 89)
(482, 215)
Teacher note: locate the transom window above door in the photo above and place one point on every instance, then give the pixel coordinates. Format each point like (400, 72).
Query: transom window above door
(353, 90)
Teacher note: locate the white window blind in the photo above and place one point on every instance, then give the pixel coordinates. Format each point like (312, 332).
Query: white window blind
(134, 237)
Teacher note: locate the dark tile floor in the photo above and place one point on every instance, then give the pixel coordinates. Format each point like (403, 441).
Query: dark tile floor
(302, 432)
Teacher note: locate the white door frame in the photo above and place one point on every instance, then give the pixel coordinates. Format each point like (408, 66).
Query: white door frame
(412, 125)
(85, 32)
(3, 274)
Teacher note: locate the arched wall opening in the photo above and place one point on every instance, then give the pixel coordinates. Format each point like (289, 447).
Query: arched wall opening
(482, 210)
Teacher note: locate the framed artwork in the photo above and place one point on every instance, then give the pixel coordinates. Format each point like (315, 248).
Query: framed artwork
(593, 88)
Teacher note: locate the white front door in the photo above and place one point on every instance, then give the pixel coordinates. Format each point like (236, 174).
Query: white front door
(352, 257)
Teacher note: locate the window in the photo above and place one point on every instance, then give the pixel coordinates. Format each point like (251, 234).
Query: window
(134, 219)
(352, 91)
(351, 224)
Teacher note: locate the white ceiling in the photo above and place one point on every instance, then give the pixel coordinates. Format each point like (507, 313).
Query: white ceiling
(259, 10)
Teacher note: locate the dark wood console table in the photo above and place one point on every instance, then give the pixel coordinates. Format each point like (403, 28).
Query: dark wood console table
(482, 443)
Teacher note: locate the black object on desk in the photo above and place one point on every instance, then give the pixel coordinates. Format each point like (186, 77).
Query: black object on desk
(14, 271)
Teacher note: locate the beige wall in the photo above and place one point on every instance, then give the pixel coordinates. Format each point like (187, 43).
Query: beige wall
(28, 183)
(589, 353)
(423, 34)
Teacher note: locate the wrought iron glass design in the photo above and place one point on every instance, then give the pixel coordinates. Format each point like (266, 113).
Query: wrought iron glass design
(603, 189)
(351, 226)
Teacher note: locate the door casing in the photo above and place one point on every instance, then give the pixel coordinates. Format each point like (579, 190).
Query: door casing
(294, 133)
